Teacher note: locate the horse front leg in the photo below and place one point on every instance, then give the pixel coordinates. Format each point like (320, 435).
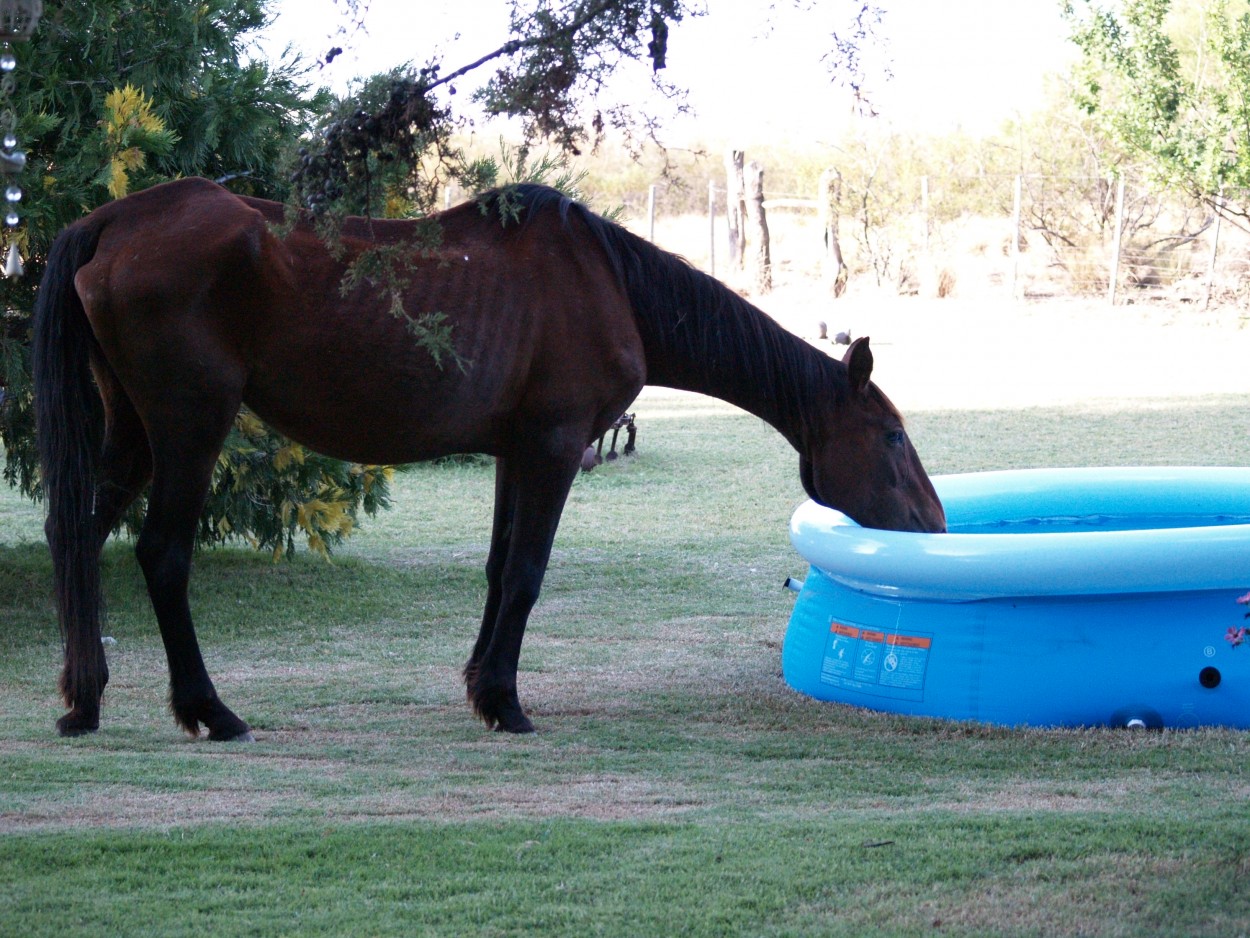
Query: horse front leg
(500, 535)
(530, 496)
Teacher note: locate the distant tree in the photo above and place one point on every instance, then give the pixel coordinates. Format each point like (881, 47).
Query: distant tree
(1170, 82)
(550, 76)
(396, 134)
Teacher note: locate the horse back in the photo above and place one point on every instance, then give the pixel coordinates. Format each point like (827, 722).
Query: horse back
(193, 288)
(167, 252)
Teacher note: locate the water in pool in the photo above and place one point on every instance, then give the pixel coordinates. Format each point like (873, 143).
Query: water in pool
(1057, 598)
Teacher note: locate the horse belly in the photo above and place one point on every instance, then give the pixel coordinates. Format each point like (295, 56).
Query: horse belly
(359, 412)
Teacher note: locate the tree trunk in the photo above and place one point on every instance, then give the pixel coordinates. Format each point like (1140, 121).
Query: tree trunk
(835, 271)
(757, 236)
(735, 210)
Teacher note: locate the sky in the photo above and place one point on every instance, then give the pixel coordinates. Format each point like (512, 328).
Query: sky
(966, 64)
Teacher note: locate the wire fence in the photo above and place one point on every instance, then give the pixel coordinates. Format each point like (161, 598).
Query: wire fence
(1021, 237)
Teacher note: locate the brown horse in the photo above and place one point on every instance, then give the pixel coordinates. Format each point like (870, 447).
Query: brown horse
(183, 302)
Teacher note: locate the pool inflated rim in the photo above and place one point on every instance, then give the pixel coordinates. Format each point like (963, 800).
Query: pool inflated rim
(1194, 535)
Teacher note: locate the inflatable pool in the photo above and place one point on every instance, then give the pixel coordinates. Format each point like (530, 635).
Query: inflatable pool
(1058, 597)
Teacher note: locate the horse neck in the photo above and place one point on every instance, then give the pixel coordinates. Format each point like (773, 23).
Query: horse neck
(698, 335)
(707, 339)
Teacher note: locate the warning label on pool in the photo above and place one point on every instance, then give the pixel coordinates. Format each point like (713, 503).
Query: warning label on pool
(875, 662)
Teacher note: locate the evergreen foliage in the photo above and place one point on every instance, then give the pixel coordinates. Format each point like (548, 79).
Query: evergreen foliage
(396, 134)
(114, 96)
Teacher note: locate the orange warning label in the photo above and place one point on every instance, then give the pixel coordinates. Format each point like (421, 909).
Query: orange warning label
(876, 662)
(909, 641)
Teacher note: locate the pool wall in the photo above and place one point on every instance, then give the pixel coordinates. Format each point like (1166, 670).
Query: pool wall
(1110, 610)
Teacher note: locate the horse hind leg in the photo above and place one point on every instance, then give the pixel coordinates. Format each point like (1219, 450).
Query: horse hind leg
(124, 467)
(125, 459)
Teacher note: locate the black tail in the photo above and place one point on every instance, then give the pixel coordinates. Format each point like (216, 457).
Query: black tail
(66, 413)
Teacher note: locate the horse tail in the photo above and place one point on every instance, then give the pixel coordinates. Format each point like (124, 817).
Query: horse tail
(66, 421)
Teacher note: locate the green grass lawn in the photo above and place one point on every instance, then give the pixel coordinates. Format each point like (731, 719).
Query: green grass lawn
(676, 786)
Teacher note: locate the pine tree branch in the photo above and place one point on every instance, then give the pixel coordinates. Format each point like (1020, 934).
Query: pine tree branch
(513, 46)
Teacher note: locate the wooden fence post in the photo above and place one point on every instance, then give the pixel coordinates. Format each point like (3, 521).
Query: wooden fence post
(735, 210)
(924, 212)
(651, 213)
(1017, 199)
(835, 270)
(1119, 234)
(711, 227)
(761, 261)
(927, 275)
(1215, 248)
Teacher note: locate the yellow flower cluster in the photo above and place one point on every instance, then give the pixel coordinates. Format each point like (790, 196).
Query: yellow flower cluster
(129, 123)
(325, 510)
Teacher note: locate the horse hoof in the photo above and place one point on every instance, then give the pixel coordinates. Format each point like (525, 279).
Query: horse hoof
(515, 724)
(243, 735)
(69, 732)
(498, 707)
(74, 724)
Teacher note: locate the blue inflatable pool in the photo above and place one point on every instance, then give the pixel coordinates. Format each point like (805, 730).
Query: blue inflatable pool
(1058, 597)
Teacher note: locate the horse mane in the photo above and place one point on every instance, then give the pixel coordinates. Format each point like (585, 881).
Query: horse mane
(698, 334)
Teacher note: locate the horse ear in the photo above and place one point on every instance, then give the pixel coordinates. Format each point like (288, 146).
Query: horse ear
(858, 361)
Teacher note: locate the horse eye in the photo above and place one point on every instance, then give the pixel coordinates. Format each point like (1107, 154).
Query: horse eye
(895, 438)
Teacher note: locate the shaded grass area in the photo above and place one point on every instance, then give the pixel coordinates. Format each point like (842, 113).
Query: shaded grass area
(845, 876)
(676, 785)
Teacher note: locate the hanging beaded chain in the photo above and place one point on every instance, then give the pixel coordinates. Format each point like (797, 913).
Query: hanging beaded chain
(12, 161)
(18, 19)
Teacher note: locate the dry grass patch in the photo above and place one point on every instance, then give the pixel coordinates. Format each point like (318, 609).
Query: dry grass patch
(597, 797)
(672, 762)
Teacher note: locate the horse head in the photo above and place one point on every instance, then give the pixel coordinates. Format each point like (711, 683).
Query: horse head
(862, 462)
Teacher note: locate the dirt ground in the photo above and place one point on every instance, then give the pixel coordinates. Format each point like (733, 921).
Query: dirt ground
(979, 348)
(986, 353)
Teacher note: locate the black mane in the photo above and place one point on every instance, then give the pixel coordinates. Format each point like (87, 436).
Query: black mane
(699, 335)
